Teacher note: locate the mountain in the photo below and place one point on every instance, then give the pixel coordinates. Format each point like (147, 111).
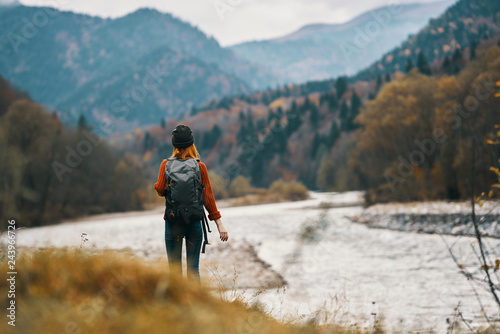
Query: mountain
(75, 63)
(321, 51)
(345, 133)
(9, 3)
(155, 87)
(464, 26)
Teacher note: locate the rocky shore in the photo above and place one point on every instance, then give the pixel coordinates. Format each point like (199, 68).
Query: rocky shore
(452, 218)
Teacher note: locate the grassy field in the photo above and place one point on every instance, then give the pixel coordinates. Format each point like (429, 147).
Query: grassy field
(76, 291)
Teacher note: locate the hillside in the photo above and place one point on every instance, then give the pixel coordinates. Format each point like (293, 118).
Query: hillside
(456, 34)
(317, 132)
(354, 136)
(50, 172)
(157, 86)
(322, 51)
(61, 61)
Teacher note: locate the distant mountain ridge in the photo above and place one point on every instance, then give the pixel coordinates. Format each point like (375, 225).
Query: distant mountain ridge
(58, 57)
(463, 27)
(85, 65)
(321, 51)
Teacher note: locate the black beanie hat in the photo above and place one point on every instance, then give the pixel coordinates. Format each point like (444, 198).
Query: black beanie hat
(182, 136)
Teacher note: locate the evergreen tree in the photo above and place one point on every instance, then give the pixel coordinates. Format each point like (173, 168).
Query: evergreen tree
(457, 55)
(387, 77)
(242, 134)
(281, 142)
(378, 83)
(315, 144)
(250, 125)
(344, 110)
(314, 115)
(330, 99)
(409, 65)
(293, 119)
(355, 105)
(334, 134)
(216, 133)
(333, 103)
(353, 112)
(148, 142)
(341, 86)
(211, 137)
(473, 46)
(257, 170)
(423, 64)
(275, 115)
(457, 61)
(447, 67)
(344, 115)
(82, 122)
(162, 123)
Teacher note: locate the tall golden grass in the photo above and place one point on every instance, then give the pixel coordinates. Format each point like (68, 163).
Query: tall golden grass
(74, 291)
(279, 191)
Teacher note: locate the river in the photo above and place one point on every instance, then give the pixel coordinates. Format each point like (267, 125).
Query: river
(355, 273)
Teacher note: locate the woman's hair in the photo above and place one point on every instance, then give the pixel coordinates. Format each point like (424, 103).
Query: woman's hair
(189, 152)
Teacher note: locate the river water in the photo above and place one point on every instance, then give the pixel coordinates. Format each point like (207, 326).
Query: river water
(355, 273)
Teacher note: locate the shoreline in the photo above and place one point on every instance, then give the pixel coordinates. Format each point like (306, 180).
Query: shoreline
(140, 234)
(437, 217)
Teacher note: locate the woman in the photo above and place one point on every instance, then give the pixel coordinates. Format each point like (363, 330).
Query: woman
(183, 142)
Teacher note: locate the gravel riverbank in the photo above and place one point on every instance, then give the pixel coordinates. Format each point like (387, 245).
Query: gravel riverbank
(438, 217)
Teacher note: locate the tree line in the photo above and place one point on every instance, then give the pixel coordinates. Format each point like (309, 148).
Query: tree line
(400, 137)
(417, 135)
(50, 172)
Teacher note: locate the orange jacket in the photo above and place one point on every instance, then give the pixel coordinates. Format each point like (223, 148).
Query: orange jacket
(208, 195)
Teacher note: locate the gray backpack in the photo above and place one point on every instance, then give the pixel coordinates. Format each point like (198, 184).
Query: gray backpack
(184, 194)
(184, 191)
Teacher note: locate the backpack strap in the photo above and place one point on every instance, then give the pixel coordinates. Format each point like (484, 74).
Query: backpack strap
(204, 224)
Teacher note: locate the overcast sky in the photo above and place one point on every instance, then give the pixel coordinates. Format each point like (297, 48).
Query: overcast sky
(233, 21)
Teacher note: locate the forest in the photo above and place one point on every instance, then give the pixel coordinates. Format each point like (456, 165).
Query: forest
(406, 136)
(50, 171)
(401, 137)
(418, 135)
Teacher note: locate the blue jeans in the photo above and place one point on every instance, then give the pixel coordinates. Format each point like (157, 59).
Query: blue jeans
(174, 233)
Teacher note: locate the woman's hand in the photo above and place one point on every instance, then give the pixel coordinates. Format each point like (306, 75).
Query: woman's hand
(222, 230)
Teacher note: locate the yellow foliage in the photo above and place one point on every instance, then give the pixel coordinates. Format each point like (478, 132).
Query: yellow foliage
(219, 185)
(279, 191)
(121, 168)
(147, 156)
(314, 98)
(240, 186)
(277, 103)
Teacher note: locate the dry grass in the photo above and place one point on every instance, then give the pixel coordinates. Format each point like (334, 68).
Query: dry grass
(74, 291)
(279, 191)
